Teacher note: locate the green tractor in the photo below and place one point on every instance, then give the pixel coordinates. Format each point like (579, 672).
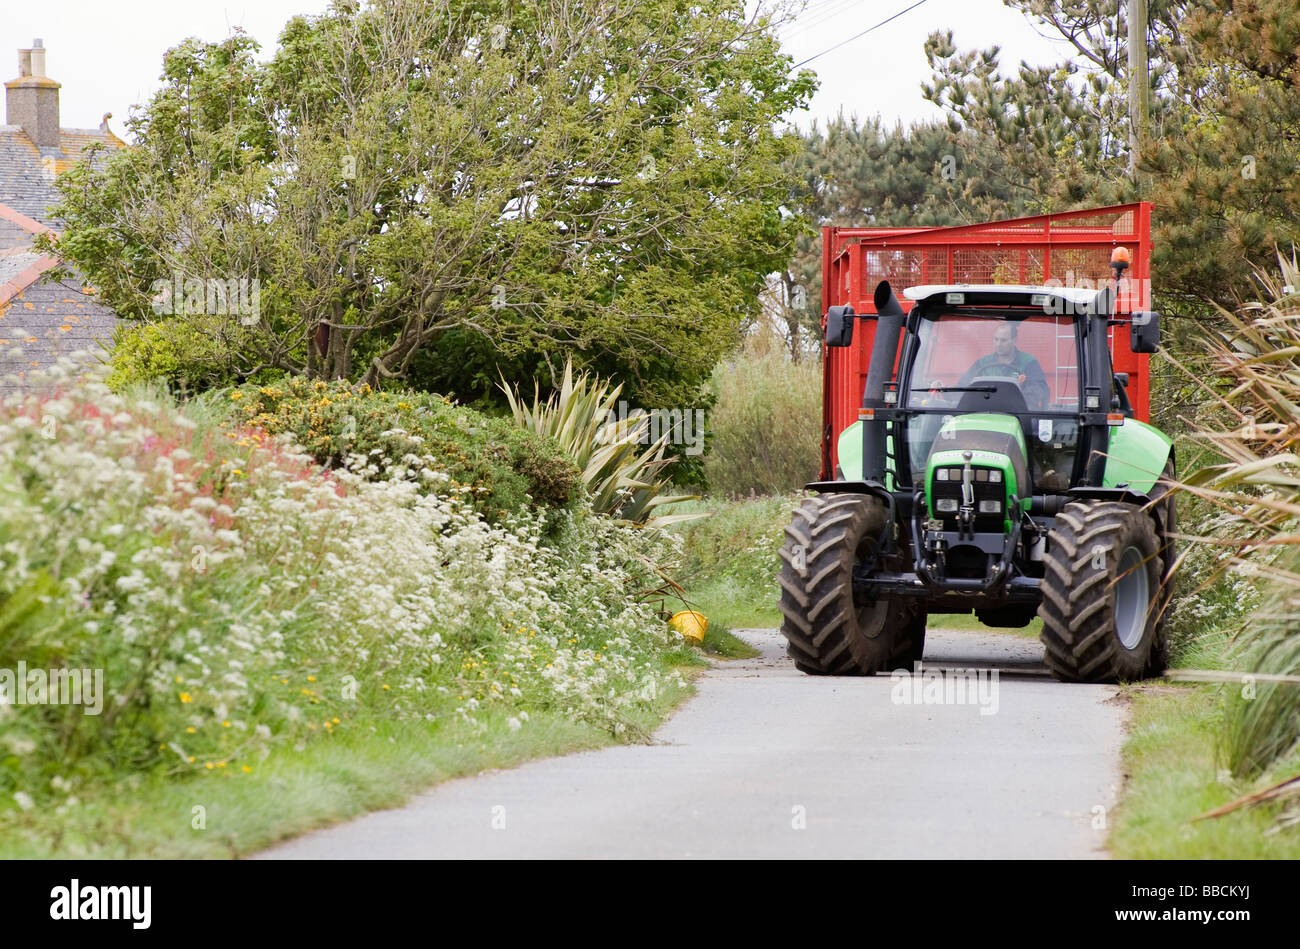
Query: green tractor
(999, 470)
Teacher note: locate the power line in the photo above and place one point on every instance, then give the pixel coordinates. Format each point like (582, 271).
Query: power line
(859, 35)
(817, 16)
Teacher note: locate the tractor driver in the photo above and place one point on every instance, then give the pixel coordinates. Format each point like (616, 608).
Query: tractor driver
(1008, 362)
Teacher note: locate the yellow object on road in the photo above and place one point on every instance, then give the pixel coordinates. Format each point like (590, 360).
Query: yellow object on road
(690, 624)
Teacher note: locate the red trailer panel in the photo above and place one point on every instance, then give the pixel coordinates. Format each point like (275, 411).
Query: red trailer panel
(1070, 249)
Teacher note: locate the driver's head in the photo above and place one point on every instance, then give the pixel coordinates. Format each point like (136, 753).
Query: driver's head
(1004, 340)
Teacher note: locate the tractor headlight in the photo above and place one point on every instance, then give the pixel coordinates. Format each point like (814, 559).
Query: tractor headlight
(990, 507)
(946, 505)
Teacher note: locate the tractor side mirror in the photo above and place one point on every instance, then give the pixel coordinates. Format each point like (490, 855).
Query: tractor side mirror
(839, 325)
(1144, 332)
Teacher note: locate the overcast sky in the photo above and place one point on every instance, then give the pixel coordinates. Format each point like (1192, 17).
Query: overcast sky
(108, 53)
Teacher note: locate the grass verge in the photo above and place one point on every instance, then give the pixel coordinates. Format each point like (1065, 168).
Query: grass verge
(370, 766)
(1173, 777)
(721, 642)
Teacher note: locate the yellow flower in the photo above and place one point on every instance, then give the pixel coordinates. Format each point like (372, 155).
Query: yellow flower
(246, 769)
(191, 759)
(337, 722)
(209, 765)
(225, 724)
(236, 395)
(311, 678)
(186, 697)
(221, 764)
(385, 686)
(190, 730)
(179, 679)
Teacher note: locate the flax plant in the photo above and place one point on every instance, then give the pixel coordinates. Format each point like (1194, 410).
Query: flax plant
(621, 467)
(1255, 487)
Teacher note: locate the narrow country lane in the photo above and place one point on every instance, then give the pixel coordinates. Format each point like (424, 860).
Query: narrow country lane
(767, 762)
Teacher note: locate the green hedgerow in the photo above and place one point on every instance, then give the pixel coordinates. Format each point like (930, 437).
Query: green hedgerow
(499, 467)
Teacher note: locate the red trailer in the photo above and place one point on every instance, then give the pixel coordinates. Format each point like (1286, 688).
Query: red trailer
(1070, 249)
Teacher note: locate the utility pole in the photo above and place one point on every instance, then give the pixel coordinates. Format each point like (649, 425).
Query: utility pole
(1138, 93)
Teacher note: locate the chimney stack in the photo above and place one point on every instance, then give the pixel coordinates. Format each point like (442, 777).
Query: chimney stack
(32, 100)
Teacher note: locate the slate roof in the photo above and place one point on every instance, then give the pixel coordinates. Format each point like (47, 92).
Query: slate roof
(47, 320)
(42, 319)
(27, 173)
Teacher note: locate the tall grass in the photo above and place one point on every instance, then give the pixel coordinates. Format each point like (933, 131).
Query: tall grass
(730, 560)
(766, 424)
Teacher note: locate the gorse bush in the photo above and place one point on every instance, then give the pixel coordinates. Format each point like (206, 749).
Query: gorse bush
(498, 468)
(237, 598)
(766, 425)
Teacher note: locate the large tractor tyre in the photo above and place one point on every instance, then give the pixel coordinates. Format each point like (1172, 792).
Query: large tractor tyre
(829, 631)
(1167, 509)
(1101, 587)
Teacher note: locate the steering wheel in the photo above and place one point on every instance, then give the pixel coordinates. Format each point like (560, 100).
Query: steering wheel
(1036, 393)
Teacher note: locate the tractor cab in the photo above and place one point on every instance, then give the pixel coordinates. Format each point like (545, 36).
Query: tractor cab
(1019, 359)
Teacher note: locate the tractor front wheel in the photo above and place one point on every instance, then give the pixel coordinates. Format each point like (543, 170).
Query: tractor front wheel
(1101, 592)
(830, 631)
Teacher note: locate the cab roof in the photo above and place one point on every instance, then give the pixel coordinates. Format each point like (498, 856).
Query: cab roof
(1001, 293)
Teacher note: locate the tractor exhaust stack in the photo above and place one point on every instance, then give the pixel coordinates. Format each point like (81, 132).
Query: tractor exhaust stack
(889, 326)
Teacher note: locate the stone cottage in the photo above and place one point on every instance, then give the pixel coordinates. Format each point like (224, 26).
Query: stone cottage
(44, 319)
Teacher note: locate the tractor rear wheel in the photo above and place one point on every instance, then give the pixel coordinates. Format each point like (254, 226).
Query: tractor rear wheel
(1101, 592)
(829, 630)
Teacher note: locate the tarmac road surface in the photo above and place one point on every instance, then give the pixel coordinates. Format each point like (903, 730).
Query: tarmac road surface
(767, 762)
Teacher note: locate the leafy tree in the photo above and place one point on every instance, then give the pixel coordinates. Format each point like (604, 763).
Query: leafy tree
(520, 179)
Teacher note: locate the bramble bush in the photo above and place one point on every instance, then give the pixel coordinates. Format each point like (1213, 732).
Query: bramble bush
(239, 598)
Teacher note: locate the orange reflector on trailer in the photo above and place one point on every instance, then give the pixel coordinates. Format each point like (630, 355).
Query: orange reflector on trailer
(1114, 418)
(866, 415)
